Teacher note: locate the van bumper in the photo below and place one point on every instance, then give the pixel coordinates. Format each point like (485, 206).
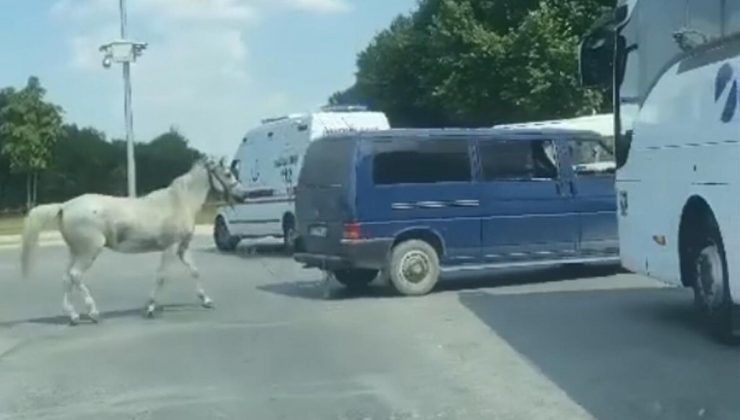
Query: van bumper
(361, 253)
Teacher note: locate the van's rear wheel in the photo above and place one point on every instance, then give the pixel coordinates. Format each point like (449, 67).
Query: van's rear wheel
(709, 278)
(355, 278)
(414, 268)
(221, 235)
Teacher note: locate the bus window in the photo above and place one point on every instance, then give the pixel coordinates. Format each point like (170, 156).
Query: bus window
(731, 17)
(705, 16)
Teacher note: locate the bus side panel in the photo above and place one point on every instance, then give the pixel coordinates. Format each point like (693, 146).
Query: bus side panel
(681, 148)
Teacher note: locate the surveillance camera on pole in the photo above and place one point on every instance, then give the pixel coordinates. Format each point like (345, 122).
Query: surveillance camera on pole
(122, 52)
(125, 52)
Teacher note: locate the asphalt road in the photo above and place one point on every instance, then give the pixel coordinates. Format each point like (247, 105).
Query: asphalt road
(530, 345)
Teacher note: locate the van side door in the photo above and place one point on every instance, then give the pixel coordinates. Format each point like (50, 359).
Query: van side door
(592, 167)
(529, 213)
(421, 185)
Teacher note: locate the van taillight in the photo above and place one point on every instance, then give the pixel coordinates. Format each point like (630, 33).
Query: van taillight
(352, 231)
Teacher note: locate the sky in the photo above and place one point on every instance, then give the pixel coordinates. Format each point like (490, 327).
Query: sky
(213, 68)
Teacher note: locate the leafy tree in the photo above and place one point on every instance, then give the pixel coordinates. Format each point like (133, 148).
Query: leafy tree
(29, 127)
(163, 159)
(5, 174)
(84, 162)
(72, 160)
(478, 62)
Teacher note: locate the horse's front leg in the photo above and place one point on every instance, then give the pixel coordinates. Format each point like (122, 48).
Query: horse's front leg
(183, 251)
(167, 258)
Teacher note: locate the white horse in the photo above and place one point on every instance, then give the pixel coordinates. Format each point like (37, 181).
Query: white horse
(162, 221)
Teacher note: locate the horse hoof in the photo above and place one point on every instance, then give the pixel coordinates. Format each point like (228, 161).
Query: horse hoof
(149, 312)
(74, 320)
(208, 304)
(94, 317)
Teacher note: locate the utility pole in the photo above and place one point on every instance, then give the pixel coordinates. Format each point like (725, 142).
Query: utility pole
(125, 52)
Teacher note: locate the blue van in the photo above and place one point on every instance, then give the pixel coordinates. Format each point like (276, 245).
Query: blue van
(412, 204)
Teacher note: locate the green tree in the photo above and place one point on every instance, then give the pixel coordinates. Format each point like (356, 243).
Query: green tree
(478, 62)
(29, 127)
(84, 162)
(163, 159)
(5, 174)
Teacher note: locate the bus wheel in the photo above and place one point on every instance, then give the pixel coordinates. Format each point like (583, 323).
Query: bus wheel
(414, 268)
(710, 281)
(224, 241)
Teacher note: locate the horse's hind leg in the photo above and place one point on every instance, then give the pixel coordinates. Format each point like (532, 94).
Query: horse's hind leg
(69, 308)
(79, 264)
(183, 251)
(167, 257)
(84, 246)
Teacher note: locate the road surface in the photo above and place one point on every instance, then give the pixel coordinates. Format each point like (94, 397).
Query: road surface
(532, 345)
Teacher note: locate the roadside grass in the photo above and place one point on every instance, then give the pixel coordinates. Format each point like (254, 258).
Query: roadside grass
(12, 223)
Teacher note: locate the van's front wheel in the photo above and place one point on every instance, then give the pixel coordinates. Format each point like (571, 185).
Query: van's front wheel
(221, 235)
(414, 268)
(355, 278)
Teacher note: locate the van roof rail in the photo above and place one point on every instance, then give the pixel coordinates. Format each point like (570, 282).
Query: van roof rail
(344, 108)
(283, 117)
(273, 119)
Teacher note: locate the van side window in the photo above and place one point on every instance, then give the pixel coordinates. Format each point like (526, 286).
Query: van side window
(425, 161)
(518, 160)
(590, 157)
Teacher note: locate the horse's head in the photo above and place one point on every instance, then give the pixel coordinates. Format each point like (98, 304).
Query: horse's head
(221, 179)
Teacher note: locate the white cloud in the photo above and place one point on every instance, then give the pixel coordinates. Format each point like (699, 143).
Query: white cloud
(320, 6)
(195, 73)
(174, 10)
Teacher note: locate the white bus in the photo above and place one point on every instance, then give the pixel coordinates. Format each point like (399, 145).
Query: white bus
(267, 164)
(673, 67)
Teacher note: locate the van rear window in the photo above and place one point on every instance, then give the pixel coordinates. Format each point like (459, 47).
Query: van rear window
(327, 163)
(424, 161)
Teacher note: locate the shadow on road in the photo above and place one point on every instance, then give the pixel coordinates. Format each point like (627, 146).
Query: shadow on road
(620, 354)
(124, 313)
(315, 289)
(252, 252)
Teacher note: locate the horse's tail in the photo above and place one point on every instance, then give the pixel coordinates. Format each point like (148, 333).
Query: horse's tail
(37, 220)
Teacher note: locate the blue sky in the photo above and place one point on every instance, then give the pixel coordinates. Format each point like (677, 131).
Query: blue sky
(213, 68)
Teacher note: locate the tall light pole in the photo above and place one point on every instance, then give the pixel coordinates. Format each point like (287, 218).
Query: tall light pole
(125, 51)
